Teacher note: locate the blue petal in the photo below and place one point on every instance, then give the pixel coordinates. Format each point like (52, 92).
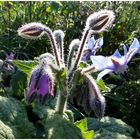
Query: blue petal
(98, 45)
(134, 48)
(135, 44)
(91, 43)
(124, 49)
(117, 54)
(101, 62)
(100, 42)
(103, 73)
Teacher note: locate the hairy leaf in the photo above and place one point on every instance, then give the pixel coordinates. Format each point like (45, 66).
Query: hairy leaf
(5, 131)
(13, 114)
(25, 66)
(105, 134)
(57, 127)
(109, 127)
(19, 83)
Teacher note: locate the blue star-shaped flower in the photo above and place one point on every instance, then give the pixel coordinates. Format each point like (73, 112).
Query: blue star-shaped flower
(116, 62)
(92, 47)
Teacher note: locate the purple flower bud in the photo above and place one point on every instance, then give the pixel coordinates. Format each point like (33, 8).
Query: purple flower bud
(98, 105)
(47, 58)
(40, 85)
(96, 99)
(10, 56)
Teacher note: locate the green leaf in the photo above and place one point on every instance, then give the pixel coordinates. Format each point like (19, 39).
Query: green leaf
(83, 64)
(54, 6)
(62, 73)
(48, 9)
(18, 84)
(82, 125)
(61, 78)
(25, 66)
(102, 86)
(42, 110)
(117, 98)
(88, 134)
(5, 131)
(56, 127)
(60, 3)
(68, 114)
(109, 127)
(105, 134)
(13, 114)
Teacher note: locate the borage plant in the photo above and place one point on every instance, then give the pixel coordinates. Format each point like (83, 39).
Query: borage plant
(68, 77)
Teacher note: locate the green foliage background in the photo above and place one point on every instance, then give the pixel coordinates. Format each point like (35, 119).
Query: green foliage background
(123, 98)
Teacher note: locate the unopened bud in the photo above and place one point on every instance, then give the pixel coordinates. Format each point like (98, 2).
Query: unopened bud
(73, 48)
(98, 105)
(59, 38)
(41, 84)
(74, 44)
(46, 56)
(96, 99)
(99, 21)
(59, 35)
(32, 30)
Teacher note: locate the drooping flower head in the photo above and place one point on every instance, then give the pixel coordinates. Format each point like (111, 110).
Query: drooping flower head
(92, 47)
(41, 82)
(116, 62)
(88, 96)
(96, 99)
(36, 30)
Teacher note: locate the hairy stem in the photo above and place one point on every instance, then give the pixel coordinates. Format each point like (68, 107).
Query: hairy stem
(62, 50)
(81, 48)
(88, 69)
(69, 63)
(61, 103)
(86, 33)
(54, 46)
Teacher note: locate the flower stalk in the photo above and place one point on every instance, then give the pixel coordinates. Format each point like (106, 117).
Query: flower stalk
(36, 30)
(61, 103)
(54, 45)
(81, 48)
(88, 69)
